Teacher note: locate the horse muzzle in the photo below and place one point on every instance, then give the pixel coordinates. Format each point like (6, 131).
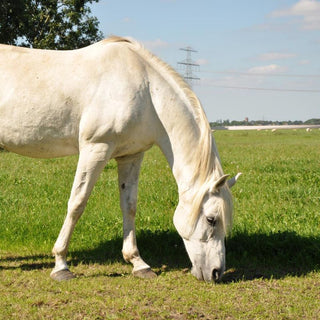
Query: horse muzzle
(215, 275)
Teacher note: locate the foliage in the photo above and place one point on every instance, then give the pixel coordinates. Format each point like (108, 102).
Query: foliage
(48, 24)
(11, 12)
(274, 245)
(313, 121)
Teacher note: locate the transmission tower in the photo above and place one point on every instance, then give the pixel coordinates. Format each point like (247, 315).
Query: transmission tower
(188, 65)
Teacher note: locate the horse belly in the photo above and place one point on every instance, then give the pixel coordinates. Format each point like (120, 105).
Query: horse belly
(44, 148)
(38, 133)
(53, 149)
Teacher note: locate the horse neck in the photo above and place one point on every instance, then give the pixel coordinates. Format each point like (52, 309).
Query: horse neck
(186, 140)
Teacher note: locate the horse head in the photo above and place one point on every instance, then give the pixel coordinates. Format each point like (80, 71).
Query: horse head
(204, 234)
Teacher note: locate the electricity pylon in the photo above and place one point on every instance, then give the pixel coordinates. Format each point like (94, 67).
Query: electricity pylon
(188, 66)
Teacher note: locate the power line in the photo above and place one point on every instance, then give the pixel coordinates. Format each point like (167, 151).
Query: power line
(264, 74)
(188, 65)
(265, 89)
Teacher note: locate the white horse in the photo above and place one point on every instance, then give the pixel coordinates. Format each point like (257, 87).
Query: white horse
(114, 99)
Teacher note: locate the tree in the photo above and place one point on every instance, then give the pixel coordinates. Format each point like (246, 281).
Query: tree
(312, 121)
(11, 13)
(48, 24)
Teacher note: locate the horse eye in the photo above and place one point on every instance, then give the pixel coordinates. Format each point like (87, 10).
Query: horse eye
(211, 221)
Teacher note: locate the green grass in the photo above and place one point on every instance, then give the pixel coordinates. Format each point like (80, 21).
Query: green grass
(273, 251)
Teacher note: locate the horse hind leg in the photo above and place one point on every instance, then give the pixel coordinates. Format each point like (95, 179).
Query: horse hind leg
(128, 175)
(92, 160)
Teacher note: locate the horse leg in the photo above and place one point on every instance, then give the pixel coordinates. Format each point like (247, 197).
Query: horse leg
(128, 175)
(92, 160)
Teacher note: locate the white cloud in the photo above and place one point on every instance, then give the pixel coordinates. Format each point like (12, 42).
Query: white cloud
(309, 10)
(158, 43)
(275, 56)
(269, 69)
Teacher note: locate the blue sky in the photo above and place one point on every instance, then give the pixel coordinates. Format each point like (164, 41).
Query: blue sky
(258, 58)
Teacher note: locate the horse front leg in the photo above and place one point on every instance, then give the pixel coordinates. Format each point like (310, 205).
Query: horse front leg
(92, 160)
(128, 175)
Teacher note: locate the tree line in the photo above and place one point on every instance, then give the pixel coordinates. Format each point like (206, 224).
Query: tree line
(228, 123)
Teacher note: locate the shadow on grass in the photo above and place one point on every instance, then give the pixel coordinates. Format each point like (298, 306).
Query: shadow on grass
(26, 262)
(274, 255)
(156, 248)
(248, 256)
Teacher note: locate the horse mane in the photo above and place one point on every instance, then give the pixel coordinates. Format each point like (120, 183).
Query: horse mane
(208, 167)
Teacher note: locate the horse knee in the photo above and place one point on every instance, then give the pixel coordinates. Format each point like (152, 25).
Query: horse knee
(77, 206)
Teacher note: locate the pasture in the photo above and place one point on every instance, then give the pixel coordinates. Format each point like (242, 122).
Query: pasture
(273, 251)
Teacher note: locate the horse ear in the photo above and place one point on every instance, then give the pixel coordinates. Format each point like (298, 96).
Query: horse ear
(233, 180)
(219, 183)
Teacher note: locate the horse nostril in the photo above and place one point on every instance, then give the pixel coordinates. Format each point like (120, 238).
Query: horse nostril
(216, 274)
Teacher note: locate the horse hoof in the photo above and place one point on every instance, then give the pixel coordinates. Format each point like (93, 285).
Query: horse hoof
(62, 275)
(144, 274)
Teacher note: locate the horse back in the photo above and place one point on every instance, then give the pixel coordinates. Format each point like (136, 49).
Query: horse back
(50, 101)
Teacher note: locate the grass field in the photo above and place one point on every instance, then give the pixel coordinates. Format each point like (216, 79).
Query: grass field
(273, 252)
